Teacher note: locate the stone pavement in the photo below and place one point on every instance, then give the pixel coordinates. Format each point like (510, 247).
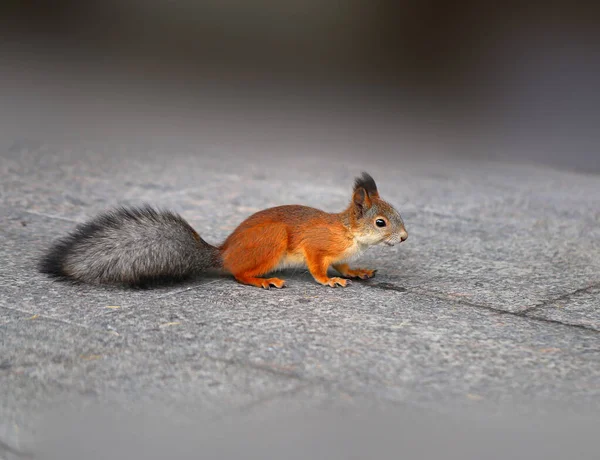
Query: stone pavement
(478, 338)
(490, 307)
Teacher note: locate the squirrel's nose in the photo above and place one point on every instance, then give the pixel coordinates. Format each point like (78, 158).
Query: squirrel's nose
(403, 235)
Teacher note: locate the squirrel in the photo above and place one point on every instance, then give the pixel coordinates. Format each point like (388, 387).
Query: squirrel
(141, 246)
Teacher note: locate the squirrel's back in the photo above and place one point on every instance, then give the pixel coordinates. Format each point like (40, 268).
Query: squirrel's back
(134, 246)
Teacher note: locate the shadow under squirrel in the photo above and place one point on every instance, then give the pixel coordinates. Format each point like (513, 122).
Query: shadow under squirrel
(141, 245)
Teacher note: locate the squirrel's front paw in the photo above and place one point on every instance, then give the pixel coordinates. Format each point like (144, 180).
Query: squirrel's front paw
(362, 273)
(335, 282)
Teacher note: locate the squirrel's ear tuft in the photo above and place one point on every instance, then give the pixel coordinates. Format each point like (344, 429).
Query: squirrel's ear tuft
(367, 183)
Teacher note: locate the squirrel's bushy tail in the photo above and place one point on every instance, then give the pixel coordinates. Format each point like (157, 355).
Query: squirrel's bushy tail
(134, 246)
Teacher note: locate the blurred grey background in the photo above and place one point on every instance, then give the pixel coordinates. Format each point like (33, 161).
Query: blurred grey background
(514, 80)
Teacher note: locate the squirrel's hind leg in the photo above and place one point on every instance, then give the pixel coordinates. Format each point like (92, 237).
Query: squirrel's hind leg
(264, 283)
(255, 252)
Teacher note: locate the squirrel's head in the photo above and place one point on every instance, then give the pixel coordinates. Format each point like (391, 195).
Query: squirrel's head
(375, 220)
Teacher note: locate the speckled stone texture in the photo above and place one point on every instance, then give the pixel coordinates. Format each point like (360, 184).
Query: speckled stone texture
(491, 306)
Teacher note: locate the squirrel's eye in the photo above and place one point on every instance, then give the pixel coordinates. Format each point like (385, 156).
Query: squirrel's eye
(380, 223)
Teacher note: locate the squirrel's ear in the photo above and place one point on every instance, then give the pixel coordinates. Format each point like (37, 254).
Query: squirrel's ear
(367, 183)
(361, 200)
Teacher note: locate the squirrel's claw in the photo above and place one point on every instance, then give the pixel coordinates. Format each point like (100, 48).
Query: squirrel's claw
(335, 282)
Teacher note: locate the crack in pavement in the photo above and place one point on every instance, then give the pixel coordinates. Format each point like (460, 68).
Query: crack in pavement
(566, 296)
(521, 314)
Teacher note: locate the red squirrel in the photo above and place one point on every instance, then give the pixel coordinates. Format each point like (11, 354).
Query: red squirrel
(139, 246)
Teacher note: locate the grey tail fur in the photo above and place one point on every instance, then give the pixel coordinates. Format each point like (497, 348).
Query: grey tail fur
(137, 246)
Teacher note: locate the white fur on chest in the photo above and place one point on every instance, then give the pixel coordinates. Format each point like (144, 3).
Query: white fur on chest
(294, 260)
(352, 253)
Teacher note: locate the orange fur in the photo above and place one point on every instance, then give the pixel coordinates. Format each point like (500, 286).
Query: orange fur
(297, 234)
(291, 235)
